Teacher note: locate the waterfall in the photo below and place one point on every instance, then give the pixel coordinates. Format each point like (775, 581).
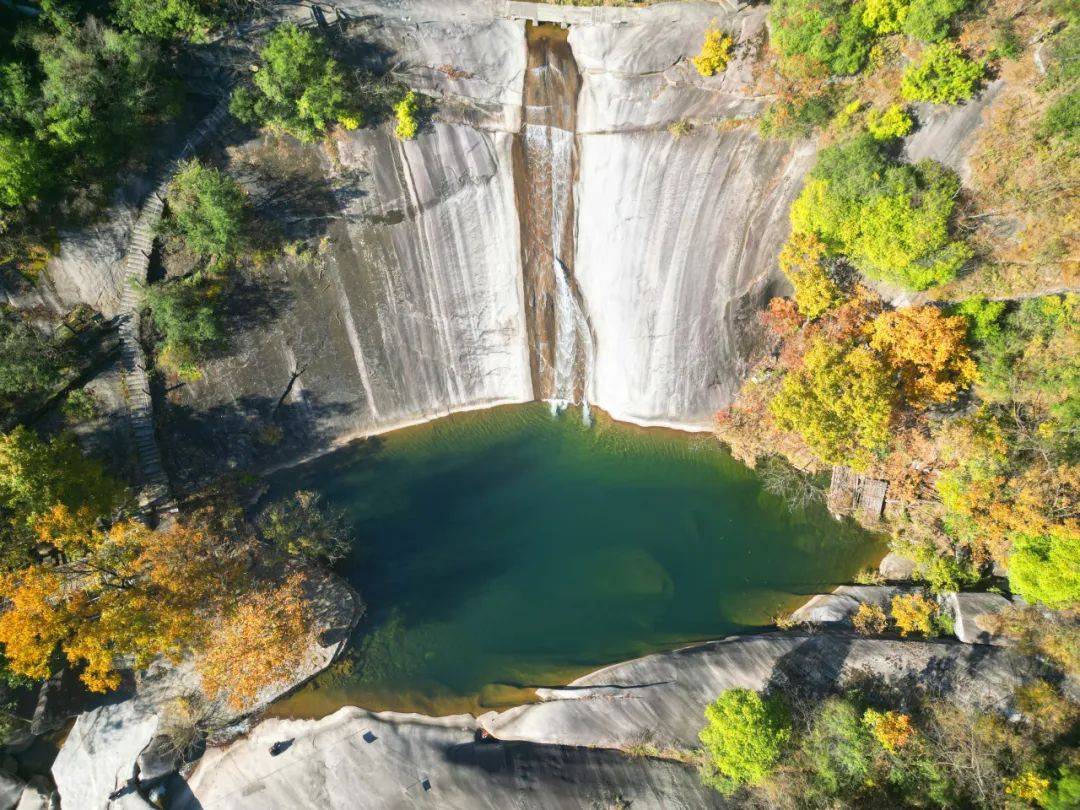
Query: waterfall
(573, 336)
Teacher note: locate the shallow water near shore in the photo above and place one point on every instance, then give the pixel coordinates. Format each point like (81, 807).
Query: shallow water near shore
(507, 549)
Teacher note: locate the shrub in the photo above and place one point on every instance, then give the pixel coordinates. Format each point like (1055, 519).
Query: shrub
(983, 318)
(303, 525)
(1062, 119)
(892, 730)
(30, 363)
(819, 37)
(23, 169)
(169, 19)
(891, 220)
(930, 20)
(943, 75)
(1046, 567)
(298, 88)
(678, 129)
(869, 620)
(797, 117)
(914, 613)
(406, 111)
(893, 122)
(185, 315)
(1028, 787)
(802, 260)
(840, 402)
(837, 749)
(207, 209)
(743, 738)
(715, 53)
(885, 16)
(1064, 793)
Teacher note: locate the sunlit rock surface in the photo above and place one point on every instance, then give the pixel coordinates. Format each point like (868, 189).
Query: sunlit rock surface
(661, 698)
(355, 759)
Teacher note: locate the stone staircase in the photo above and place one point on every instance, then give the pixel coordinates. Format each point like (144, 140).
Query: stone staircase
(156, 496)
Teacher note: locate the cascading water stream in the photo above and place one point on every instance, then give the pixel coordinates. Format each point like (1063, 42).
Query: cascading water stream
(559, 328)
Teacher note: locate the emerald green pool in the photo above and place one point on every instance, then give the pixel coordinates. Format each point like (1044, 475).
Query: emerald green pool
(506, 549)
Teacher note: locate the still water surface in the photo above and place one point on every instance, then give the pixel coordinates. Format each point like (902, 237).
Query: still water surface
(506, 549)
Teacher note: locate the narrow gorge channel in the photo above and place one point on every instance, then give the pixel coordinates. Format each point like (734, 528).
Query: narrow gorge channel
(560, 337)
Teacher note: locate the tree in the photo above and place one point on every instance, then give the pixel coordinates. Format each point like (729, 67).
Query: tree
(914, 613)
(207, 209)
(837, 749)
(406, 111)
(1046, 567)
(743, 738)
(802, 260)
(30, 363)
(885, 16)
(943, 75)
(185, 313)
(23, 170)
(929, 352)
(299, 87)
(891, 220)
(869, 620)
(303, 525)
(930, 20)
(715, 53)
(840, 402)
(819, 37)
(170, 19)
(891, 729)
(260, 643)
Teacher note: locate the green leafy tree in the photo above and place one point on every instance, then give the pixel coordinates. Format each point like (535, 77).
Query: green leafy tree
(30, 363)
(837, 750)
(892, 220)
(943, 75)
(885, 16)
(23, 170)
(931, 20)
(890, 123)
(819, 37)
(744, 737)
(299, 87)
(207, 209)
(1046, 568)
(170, 19)
(304, 525)
(803, 261)
(1064, 792)
(840, 402)
(186, 315)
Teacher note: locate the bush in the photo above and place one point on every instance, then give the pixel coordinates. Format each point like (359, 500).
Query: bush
(1062, 119)
(891, 220)
(914, 613)
(406, 111)
(802, 260)
(715, 53)
(931, 20)
(892, 730)
(799, 117)
(298, 88)
(207, 209)
(885, 16)
(184, 313)
(983, 318)
(819, 37)
(893, 122)
(744, 737)
(943, 75)
(840, 402)
(837, 749)
(1064, 792)
(1046, 568)
(303, 525)
(869, 620)
(30, 363)
(23, 169)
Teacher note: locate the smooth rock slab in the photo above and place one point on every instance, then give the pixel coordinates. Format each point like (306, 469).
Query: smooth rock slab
(355, 759)
(968, 608)
(662, 697)
(841, 604)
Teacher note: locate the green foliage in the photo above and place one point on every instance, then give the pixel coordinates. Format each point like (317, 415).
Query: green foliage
(982, 317)
(185, 314)
(744, 736)
(837, 750)
(299, 87)
(803, 262)
(819, 37)
(406, 111)
(1046, 568)
(890, 219)
(890, 123)
(943, 75)
(1062, 119)
(840, 402)
(23, 169)
(80, 405)
(931, 20)
(798, 117)
(170, 19)
(885, 16)
(30, 363)
(303, 525)
(207, 209)
(1064, 792)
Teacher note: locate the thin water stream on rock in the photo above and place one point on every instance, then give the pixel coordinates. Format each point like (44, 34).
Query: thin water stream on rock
(506, 549)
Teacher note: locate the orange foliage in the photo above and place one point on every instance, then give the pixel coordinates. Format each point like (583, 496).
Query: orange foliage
(892, 730)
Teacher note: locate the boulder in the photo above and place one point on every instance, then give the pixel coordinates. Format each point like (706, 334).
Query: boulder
(897, 568)
(966, 610)
(841, 604)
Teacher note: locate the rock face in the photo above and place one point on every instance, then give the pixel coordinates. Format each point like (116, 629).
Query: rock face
(356, 759)
(841, 604)
(968, 608)
(661, 698)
